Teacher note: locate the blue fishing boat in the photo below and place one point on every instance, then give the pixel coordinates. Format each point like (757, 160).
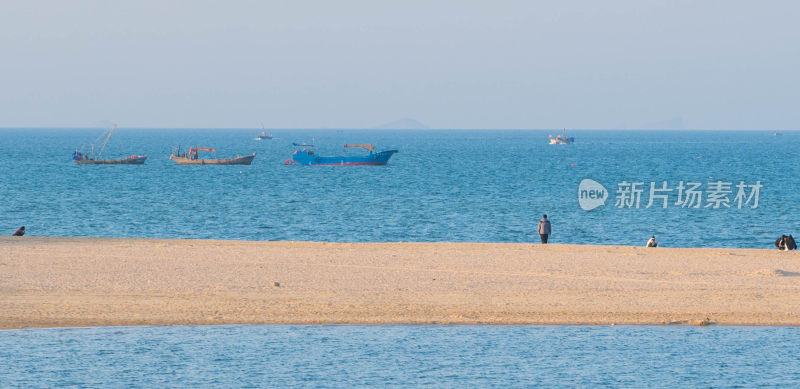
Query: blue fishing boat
(304, 154)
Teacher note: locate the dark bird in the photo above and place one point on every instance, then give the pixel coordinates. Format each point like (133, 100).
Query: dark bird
(20, 231)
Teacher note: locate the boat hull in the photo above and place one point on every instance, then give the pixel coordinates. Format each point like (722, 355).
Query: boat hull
(241, 160)
(310, 159)
(124, 161)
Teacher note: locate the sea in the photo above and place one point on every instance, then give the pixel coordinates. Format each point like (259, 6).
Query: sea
(349, 356)
(733, 189)
(709, 188)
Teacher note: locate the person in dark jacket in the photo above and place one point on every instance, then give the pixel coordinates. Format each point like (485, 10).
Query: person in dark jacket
(780, 243)
(786, 243)
(544, 229)
(19, 232)
(790, 243)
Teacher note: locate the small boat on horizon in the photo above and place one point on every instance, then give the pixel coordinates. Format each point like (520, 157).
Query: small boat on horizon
(561, 139)
(192, 157)
(305, 154)
(264, 135)
(91, 159)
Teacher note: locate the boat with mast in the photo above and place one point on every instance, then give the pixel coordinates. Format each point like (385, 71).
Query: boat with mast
(192, 157)
(91, 159)
(561, 139)
(263, 135)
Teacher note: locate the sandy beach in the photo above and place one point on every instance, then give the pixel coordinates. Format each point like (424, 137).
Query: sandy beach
(55, 282)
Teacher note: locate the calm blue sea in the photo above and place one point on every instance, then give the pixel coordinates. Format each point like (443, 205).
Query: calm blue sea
(485, 186)
(409, 356)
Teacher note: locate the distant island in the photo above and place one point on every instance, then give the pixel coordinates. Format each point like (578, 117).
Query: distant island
(402, 124)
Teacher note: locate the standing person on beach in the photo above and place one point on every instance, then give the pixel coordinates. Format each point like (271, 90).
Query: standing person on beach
(544, 229)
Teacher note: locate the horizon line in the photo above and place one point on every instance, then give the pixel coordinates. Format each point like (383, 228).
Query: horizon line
(384, 129)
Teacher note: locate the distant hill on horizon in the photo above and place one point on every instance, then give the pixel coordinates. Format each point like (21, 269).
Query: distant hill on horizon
(402, 124)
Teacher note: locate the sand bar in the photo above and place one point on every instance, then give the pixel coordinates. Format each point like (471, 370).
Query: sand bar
(54, 282)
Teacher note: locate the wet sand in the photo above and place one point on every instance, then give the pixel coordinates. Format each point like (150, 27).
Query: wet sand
(55, 282)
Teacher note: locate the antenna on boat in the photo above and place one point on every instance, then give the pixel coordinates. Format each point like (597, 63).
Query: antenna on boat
(106, 141)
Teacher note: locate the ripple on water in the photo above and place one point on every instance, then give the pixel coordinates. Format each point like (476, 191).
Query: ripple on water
(386, 355)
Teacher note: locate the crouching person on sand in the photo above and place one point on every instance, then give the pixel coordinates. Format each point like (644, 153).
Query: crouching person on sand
(652, 242)
(786, 243)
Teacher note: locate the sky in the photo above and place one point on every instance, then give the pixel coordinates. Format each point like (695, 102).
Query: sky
(359, 64)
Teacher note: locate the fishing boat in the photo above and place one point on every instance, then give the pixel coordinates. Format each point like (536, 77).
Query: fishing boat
(561, 139)
(192, 157)
(263, 135)
(91, 159)
(305, 154)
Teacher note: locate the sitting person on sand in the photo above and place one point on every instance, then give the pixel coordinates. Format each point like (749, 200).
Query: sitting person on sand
(652, 242)
(790, 243)
(780, 243)
(19, 232)
(786, 243)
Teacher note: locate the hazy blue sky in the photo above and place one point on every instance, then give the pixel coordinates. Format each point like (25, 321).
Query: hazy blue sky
(448, 64)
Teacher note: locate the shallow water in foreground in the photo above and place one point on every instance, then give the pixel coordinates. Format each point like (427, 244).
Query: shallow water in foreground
(401, 355)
